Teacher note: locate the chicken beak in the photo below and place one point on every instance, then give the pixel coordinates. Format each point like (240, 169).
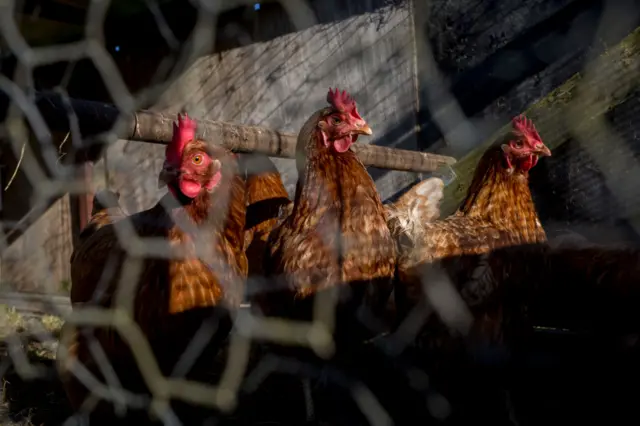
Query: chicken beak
(543, 151)
(364, 130)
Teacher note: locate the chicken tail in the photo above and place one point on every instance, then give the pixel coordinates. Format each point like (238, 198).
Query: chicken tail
(268, 204)
(263, 178)
(419, 205)
(266, 194)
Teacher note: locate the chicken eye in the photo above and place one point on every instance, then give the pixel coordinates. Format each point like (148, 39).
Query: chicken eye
(518, 143)
(197, 159)
(335, 120)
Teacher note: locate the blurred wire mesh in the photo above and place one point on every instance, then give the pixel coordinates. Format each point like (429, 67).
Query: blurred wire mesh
(436, 76)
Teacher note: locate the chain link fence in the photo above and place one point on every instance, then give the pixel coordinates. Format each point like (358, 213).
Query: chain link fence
(439, 77)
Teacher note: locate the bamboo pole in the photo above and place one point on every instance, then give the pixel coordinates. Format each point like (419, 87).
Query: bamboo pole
(95, 118)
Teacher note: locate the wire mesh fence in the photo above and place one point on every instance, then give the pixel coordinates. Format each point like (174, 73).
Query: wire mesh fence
(306, 288)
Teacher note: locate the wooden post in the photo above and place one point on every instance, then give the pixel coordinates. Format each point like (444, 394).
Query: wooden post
(85, 201)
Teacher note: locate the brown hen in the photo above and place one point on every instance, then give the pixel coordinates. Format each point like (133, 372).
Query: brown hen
(498, 211)
(196, 277)
(336, 233)
(334, 244)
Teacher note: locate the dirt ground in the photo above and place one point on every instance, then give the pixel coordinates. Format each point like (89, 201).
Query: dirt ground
(31, 391)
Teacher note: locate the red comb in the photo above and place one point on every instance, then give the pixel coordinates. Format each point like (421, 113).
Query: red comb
(183, 132)
(343, 102)
(525, 127)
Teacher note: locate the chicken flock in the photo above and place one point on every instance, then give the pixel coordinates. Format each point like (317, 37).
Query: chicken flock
(226, 231)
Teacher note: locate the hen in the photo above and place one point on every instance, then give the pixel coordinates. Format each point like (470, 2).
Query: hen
(198, 226)
(498, 211)
(335, 243)
(336, 233)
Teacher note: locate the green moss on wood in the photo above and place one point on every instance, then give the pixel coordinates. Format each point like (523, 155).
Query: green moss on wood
(616, 74)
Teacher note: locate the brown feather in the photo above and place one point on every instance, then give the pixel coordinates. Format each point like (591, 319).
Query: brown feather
(267, 201)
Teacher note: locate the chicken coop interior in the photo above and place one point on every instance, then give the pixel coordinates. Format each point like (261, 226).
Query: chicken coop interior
(319, 212)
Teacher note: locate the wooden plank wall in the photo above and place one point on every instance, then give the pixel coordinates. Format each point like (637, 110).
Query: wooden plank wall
(38, 261)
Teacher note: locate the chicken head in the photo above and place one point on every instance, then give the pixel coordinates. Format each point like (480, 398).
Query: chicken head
(189, 165)
(524, 146)
(341, 124)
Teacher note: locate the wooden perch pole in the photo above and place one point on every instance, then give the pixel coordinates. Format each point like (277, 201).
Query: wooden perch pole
(95, 118)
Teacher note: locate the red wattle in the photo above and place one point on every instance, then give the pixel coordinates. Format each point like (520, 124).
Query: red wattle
(342, 145)
(528, 162)
(190, 188)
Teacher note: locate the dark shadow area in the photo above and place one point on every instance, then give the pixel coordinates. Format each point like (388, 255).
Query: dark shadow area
(146, 42)
(580, 202)
(40, 401)
(568, 33)
(571, 191)
(554, 336)
(53, 10)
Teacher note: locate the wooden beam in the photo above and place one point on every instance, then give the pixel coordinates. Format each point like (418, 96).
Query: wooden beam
(95, 118)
